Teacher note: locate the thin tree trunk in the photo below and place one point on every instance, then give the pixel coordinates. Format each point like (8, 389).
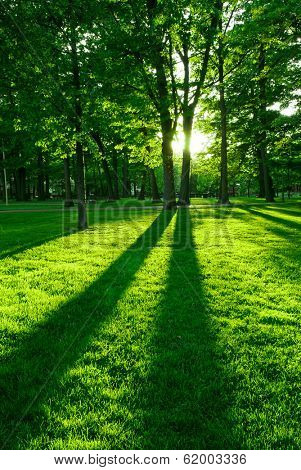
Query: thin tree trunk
(260, 175)
(47, 186)
(95, 182)
(28, 192)
(102, 192)
(11, 186)
(125, 177)
(81, 187)
(268, 189)
(135, 186)
(68, 194)
(5, 192)
(20, 178)
(168, 171)
(41, 178)
(152, 181)
(224, 191)
(167, 131)
(190, 107)
(80, 162)
(154, 186)
(105, 166)
(188, 113)
(106, 170)
(115, 175)
(141, 195)
(184, 198)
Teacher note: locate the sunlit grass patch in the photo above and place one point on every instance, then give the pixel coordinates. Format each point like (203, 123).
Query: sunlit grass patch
(152, 330)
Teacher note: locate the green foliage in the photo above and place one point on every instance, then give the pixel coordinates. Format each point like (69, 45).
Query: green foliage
(117, 45)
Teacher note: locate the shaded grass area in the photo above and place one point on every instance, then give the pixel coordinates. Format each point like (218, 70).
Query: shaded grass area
(59, 204)
(22, 231)
(241, 200)
(152, 330)
(128, 203)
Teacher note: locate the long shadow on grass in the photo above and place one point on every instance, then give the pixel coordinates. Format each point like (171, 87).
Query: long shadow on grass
(186, 398)
(289, 248)
(35, 232)
(27, 378)
(283, 228)
(290, 224)
(294, 210)
(33, 244)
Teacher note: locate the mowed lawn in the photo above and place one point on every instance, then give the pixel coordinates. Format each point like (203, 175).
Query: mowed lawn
(151, 330)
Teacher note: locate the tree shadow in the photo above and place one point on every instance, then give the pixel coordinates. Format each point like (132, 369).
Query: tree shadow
(219, 212)
(186, 397)
(34, 233)
(292, 210)
(285, 256)
(31, 374)
(29, 245)
(290, 224)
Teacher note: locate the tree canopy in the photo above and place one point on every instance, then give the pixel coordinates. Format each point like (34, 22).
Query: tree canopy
(94, 93)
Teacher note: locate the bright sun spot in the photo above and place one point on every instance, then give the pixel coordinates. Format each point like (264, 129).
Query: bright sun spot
(199, 143)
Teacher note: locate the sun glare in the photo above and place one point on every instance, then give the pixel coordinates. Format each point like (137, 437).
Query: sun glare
(199, 143)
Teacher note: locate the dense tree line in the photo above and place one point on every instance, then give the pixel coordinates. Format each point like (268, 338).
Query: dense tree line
(94, 93)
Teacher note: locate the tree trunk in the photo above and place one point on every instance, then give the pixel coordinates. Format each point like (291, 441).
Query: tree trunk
(47, 186)
(288, 184)
(141, 195)
(28, 192)
(184, 198)
(126, 188)
(224, 192)
(189, 108)
(41, 178)
(248, 187)
(168, 172)
(167, 132)
(81, 187)
(20, 179)
(80, 161)
(188, 113)
(268, 188)
(102, 191)
(260, 176)
(108, 178)
(95, 182)
(115, 175)
(126, 184)
(154, 186)
(68, 194)
(11, 186)
(135, 186)
(105, 166)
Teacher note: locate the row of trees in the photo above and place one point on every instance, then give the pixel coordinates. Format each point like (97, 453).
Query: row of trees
(101, 88)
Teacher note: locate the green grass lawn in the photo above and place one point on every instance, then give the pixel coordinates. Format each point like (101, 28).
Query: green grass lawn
(151, 330)
(131, 203)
